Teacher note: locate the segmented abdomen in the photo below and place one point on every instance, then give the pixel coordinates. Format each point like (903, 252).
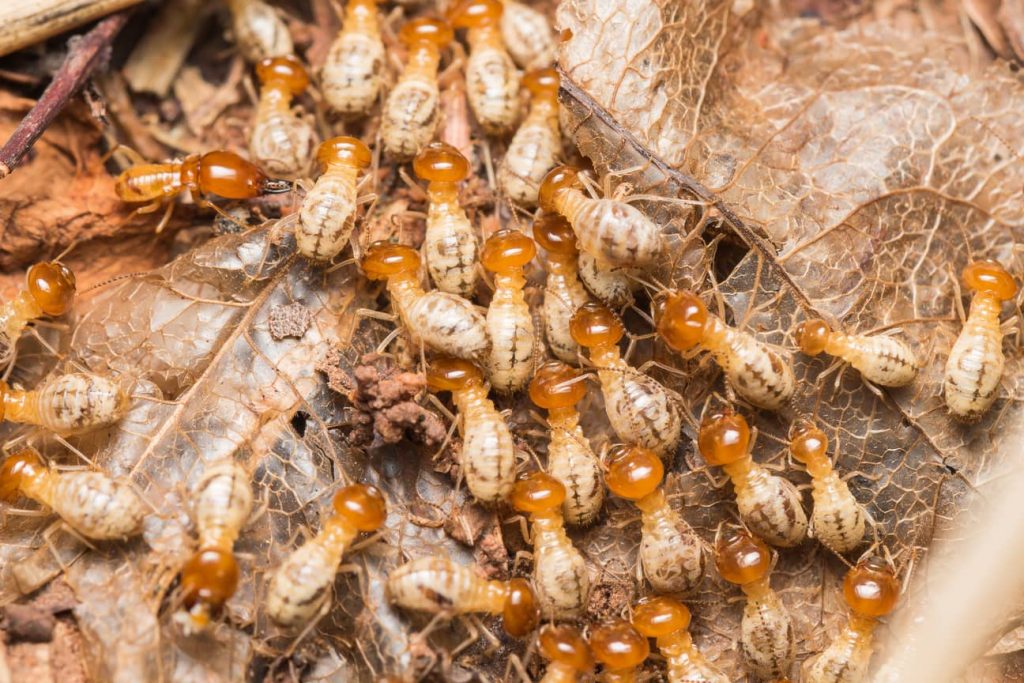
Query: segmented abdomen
(572, 462)
(613, 232)
(756, 372)
(223, 503)
(492, 85)
(845, 660)
(613, 286)
(260, 32)
(771, 507)
(532, 153)
(886, 361)
(435, 584)
(282, 144)
(562, 296)
(409, 118)
(687, 665)
(527, 35)
(98, 507)
(767, 640)
(78, 402)
(446, 323)
(670, 552)
(351, 77)
(327, 217)
(510, 327)
(559, 573)
(148, 182)
(450, 249)
(639, 408)
(975, 365)
(488, 454)
(301, 585)
(838, 518)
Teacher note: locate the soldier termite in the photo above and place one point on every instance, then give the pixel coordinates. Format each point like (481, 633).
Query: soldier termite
(439, 586)
(613, 286)
(492, 80)
(621, 649)
(259, 31)
(613, 232)
(838, 519)
(769, 505)
(49, 290)
(449, 245)
(640, 409)
(528, 35)
(557, 388)
(756, 372)
(537, 144)
(509, 321)
(351, 76)
(442, 321)
(411, 110)
(280, 140)
(670, 551)
(301, 585)
(668, 620)
(488, 454)
(559, 572)
(975, 364)
(223, 501)
(66, 404)
(563, 291)
(871, 591)
(567, 653)
(880, 359)
(91, 503)
(328, 212)
(766, 641)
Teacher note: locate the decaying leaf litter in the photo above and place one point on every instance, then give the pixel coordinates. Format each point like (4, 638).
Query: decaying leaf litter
(851, 193)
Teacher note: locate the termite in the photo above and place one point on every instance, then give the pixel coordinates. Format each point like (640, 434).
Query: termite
(492, 80)
(537, 144)
(563, 291)
(871, 591)
(838, 519)
(509, 321)
(328, 212)
(449, 245)
(612, 286)
(49, 290)
(528, 36)
(411, 110)
(769, 505)
(488, 453)
(621, 649)
(975, 364)
(668, 621)
(613, 232)
(442, 321)
(766, 641)
(671, 553)
(259, 31)
(223, 501)
(558, 388)
(757, 373)
(280, 140)
(640, 409)
(352, 74)
(300, 587)
(439, 586)
(91, 503)
(67, 404)
(559, 572)
(880, 359)
(567, 653)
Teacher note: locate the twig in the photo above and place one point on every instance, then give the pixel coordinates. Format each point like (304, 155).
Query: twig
(84, 54)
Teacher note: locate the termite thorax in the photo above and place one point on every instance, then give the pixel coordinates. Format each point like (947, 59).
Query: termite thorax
(361, 17)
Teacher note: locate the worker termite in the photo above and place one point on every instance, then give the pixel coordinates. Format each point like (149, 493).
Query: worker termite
(870, 591)
(328, 212)
(975, 364)
(613, 232)
(488, 454)
(563, 291)
(281, 141)
(259, 31)
(537, 144)
(223, 501)
(880, 359)
(640, 409)
(492, 79)
(567, 653)
(756, 372)
(442, 321)
(509, 321)
(301, 585)
(559, 572)
(91, 503)
(766, 641)
(838, 519)
(621, 649)
(528, 36)
(351, 76)
(439, 586)
(671, 553)
(668, 621)
(449, 244)
(557, 388)
(769, 505)
(411, 110)
(67, 404)
(613, 286)
(49, 290)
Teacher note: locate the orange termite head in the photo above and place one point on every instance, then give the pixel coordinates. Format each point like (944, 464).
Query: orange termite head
(362, 505)
(343, 150)
(426, 31)
(633, 472)
(384, 260)
(52, 286)
(283, 72)
(806, 442)
(565, 644)
(557, 385)
(553, 232)
(537, 492)
(594, 325)
(812, 336)
(507, 250)
(742, 558)
(542, 83)
(723, 438)
(208, 580)
(680, 318)
(18, 468)
(440, 162)
(520, 613)
(228, 175)
(618, 645)
(990, 277)
(452, 374)
(660, 616)
(871, 589)
(476, 13)
(558, 180)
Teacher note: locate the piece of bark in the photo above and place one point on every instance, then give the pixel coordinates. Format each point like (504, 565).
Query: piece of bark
(158, 56)
(27, 22)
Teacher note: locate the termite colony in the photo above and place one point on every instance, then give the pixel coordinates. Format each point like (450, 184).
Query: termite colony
(522, 298)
